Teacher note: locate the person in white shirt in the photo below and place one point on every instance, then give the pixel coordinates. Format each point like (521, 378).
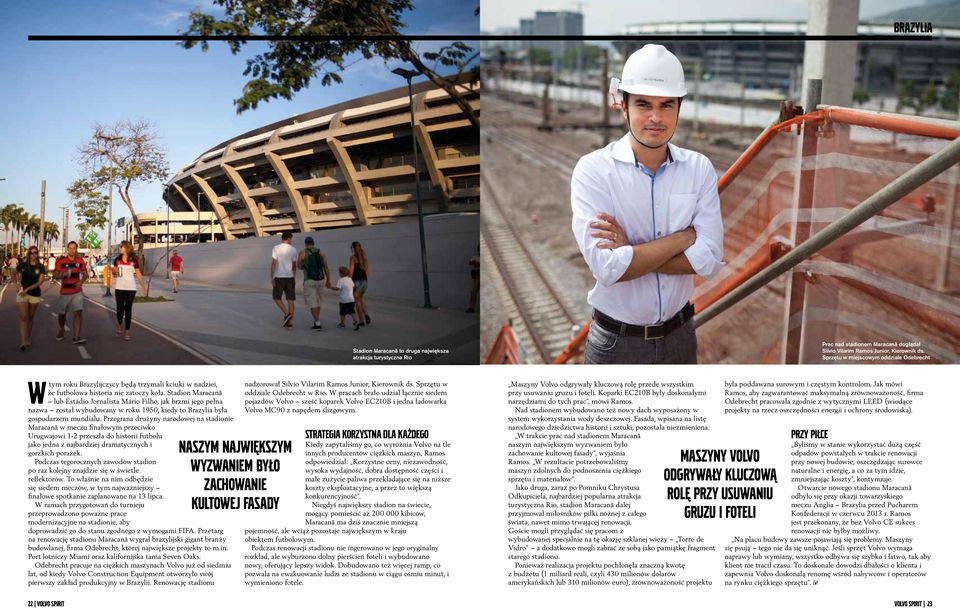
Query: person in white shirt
(283, 266)
(646, 216)
(126, 270)
(347, 300)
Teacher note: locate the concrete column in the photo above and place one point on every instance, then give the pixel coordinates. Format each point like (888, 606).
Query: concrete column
(942, 281)
(425, 144)
(216, 206)
(803, 204)
(350, 174)
(833, 62)
(185, 198)
(244, 193)
(296, 200)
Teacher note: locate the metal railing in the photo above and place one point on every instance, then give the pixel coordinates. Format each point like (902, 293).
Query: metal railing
(923, 172)
(757, 275)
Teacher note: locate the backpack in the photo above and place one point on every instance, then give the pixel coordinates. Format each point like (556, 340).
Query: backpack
(313, 265)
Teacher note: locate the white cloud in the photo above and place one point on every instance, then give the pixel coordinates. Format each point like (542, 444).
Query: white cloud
(166, 13)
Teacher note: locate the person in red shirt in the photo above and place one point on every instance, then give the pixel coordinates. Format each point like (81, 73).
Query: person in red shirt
(176, 270)
(71, 271)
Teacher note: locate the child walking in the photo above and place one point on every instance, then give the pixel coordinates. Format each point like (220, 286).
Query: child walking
(348, 305)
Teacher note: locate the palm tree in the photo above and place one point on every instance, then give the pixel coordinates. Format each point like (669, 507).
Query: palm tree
(33, 229)
(52, 233)
(7, 215)
(22, 217)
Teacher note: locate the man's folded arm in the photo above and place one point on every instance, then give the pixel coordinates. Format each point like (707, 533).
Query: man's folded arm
(678, 264)
(588, 197)
(705, 255)
(610, 266)
(660, 255)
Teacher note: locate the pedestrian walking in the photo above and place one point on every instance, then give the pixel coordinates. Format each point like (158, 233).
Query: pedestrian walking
(474, 281)
(10, 269)
(283, 266)
(347, 299)
(359, 271)
(126, 271)
(71, 271)
(176, 270)
(314, 265)
(30, 275)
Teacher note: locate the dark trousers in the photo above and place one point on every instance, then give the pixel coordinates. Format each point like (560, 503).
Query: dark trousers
(125, 306)
(679, 346)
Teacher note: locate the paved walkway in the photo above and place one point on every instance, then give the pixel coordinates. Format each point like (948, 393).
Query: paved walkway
(243, 326)
(103, 347)
(215, 324)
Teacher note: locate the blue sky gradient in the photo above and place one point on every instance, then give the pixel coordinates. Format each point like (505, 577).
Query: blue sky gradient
(54, 92)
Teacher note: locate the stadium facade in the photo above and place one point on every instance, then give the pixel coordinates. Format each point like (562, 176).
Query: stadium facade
(350, 164)
(882, 65)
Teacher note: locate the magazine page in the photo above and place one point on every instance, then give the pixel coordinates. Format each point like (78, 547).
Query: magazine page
(547, 486)
(257, 339)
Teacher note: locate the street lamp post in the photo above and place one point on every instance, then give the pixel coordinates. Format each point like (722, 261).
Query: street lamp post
(198, 218)
(43, 217)
(408, 75)
(66, 228)
(3, 179)
(106, 266)
(168, 241)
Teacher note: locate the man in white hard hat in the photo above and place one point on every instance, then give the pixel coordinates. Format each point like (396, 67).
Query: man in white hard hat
(646, 215)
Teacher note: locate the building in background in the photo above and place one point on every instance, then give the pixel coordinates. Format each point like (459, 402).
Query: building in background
(180, 227)
(349, 164)
(882, 65)
(544, 23)
(558, 23)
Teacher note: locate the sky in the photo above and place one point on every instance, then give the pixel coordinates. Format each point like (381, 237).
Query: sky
(610, 16)
(54, 92)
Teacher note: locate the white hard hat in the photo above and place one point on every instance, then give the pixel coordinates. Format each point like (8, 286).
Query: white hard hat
(653, 70)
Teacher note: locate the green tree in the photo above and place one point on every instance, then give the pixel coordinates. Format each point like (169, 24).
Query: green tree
(33, 229)
(538, 56)
(121, 155)
(930, 96)
(291, 64)
(8, 216)
(908, 96)
(951, 92)
(51, 233)
(944, 95)
(20, 222)
(589, 56)
(89, 205)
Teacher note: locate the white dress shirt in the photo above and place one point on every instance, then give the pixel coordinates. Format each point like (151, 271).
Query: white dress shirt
(682, 193)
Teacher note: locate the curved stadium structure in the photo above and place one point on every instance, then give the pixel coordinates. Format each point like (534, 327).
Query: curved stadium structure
(881, 64)
(345, 165)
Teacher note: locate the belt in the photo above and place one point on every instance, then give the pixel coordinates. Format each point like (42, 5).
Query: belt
(647, 332)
